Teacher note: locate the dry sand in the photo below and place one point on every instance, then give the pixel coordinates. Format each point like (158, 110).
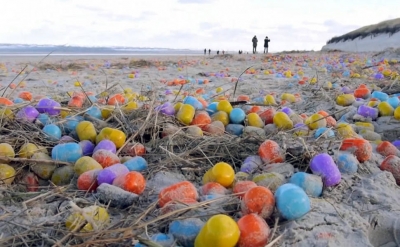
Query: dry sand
(364, 210)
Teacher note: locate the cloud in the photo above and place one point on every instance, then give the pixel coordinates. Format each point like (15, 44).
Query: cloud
(338, 28)
(207, 25)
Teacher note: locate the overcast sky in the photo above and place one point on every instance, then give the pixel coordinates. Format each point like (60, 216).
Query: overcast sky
(192, 24)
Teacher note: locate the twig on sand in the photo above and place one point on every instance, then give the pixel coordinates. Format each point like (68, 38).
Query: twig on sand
(22, 70)
(141, 127)
(275, 240)
(6, 159)
(27, 74)
(237, 81)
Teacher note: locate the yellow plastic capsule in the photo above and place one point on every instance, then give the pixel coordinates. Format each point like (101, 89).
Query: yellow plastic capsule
(178, 106)
(289, 97)
(186, 114)
(7, 173)
(225, 106)
(365, 125)
(92, 214)
(219, 231)
(373, 103)
(116, 136)
(345, 99)
(282, 121)
(221, 116)
(254, 119)
(6, 113)
(345, 130)
(221, 173)
(269, 100)
(106, 111)
(86, 131)
(7, 150)
(27, 150)
(131, 106)
(315, 121)
(397, 113)
(385, 109)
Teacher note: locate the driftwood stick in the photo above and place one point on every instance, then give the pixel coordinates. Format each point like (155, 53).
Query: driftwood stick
(6, 159)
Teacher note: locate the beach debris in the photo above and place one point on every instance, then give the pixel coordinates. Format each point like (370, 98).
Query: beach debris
(191, 162)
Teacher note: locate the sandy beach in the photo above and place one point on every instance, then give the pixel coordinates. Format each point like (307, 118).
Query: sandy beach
(362, 210)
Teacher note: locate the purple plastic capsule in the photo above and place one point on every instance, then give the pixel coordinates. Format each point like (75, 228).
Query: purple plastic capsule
(324, 166)
(47, 106)
(106, 145)
(346, 90)
(368, 112)
(87, 147)
(251, 163)
(107, 175)
(287, 110)
(28, 113)
(166, 108)
(396, 143)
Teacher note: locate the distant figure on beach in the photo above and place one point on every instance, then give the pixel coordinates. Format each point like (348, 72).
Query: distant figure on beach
(217, 52)
(223, 52)
(209, 51)
(205, 51)
(254, 40)
(266, 41)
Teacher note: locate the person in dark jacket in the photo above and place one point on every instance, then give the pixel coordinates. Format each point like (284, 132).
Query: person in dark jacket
(205, 51)
(254, 40)
(266, 41)
(209, 51)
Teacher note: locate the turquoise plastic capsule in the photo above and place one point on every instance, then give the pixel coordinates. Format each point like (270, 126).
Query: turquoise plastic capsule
(67, 152)
(53, 131)
(291, 201)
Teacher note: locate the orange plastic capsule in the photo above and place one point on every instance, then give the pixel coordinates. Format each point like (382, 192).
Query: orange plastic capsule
(386, 148)
(211, 188)
(268, 115)
(87, 181)
(5, 101)
(105, 158)
(362, 93)
(270, 152)
(117, 99)
(177, 192)
(75, 102)
(361, 148)
(132, 181)
(258, 200)
(243, 98)
(25, 95)
(254, 231)
(201, 119)
(241, 187)
(392, 164)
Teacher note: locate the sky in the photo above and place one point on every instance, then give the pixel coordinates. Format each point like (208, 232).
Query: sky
(188, 24)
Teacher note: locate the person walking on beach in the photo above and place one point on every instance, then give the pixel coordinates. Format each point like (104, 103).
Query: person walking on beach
(266, 41)
(209, 51)
(205, 51)
(217, 52)
(254, 40)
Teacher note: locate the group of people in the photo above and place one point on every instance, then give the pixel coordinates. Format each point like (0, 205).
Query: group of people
(209, 51)
(255, 40)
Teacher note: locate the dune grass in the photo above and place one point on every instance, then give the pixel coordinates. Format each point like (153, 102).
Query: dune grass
(389, 27)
